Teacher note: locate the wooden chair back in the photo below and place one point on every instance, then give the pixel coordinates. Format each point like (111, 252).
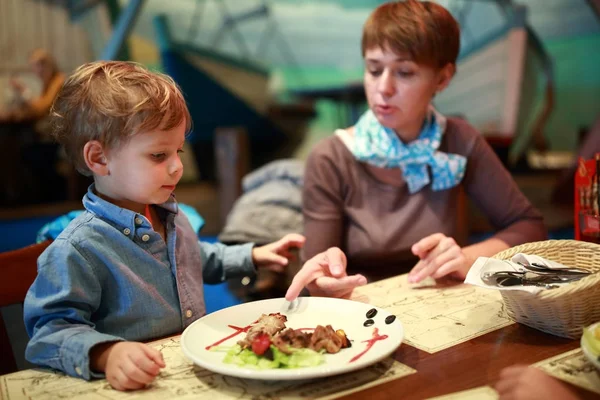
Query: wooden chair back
(18, 269)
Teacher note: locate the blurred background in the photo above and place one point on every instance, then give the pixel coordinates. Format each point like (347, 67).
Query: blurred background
(289, 72)
(266, 79)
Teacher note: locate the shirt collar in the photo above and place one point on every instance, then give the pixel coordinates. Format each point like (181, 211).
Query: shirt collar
(118, 216)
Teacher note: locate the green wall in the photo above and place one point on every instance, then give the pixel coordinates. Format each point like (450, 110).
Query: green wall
(577, 92)
(329, 115)
(577, 88)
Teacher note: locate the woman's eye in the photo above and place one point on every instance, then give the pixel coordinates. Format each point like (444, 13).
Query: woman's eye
(157, 156)
(404, 73)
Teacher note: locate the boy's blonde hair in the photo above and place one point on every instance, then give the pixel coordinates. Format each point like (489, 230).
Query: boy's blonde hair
(423, 30)
(111, 101)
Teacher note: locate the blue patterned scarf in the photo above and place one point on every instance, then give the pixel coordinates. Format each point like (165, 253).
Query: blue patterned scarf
(380, 146)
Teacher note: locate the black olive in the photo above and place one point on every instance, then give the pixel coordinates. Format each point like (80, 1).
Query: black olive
(389, 319)
(369, 322)
(371, 313)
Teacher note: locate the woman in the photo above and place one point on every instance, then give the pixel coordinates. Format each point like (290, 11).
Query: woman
(386, 190)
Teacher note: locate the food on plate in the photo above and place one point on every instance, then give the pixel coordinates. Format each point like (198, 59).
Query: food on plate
(371, 313)
(270, 344)
(591, 339)
(267, 325)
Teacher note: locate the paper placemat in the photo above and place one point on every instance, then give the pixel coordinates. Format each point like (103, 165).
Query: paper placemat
(479, 393)
(436, 316)
(574, 368)
(181, 379)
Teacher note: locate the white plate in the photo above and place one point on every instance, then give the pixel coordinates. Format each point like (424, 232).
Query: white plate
(588, 353)
(307, 313)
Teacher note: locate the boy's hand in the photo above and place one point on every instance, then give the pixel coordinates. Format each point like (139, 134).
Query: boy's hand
(127, 365)
(275, 256)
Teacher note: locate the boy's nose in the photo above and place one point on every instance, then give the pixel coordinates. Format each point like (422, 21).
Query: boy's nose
(176, 166)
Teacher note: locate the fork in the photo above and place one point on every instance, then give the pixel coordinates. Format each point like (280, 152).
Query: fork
(542, 269)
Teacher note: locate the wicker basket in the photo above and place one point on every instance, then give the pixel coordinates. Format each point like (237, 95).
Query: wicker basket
(566, 310)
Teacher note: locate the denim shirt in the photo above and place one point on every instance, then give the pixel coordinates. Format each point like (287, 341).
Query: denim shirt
(110, 277)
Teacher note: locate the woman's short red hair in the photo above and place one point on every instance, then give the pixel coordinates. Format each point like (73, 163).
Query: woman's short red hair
(425, 31)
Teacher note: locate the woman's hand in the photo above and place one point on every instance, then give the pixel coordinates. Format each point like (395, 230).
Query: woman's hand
(127, 365)
(325, 275)
(439, 255)
(275, 256)
(521, 382)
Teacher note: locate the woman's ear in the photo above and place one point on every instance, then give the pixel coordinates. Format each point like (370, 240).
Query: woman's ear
(95, 158)
(445, 76)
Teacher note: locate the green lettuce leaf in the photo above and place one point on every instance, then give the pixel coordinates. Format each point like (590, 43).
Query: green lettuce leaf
(300, 358)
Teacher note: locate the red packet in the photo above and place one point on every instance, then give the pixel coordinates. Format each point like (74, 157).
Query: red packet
(587, 203)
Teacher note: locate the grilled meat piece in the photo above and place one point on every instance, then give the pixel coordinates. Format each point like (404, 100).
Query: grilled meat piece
(268, 324)
(324, 337)
(273, 325)
(291, 338)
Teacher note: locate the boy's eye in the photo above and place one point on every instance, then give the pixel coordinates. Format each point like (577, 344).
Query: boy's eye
(375, 72)
(157, 156)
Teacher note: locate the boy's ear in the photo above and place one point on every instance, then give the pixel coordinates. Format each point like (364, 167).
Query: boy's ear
(445, 76)
(95, 158)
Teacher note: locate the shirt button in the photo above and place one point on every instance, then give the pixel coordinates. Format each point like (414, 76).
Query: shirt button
(145, 238)
(127, 231)
(188, 313)
(78, 370)
(138, 221)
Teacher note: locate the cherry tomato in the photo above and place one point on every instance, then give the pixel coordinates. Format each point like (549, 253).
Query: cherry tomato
(260, 344)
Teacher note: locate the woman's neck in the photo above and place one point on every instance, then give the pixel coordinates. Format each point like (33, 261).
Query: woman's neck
(410, 133)
(412, 130)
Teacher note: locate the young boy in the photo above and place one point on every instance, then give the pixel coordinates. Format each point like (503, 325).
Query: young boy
(130, 268)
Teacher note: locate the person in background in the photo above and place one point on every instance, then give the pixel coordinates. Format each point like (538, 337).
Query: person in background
(129, 268)
(388, 191)
(34, 155)
(27, 107)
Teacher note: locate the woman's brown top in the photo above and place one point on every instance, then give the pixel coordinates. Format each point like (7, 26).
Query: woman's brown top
(368, 212)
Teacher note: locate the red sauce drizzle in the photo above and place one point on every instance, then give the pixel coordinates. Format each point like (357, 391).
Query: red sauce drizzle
(238, 330)
(375, 338)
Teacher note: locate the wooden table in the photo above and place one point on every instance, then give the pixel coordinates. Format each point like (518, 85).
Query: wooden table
(467, 365)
